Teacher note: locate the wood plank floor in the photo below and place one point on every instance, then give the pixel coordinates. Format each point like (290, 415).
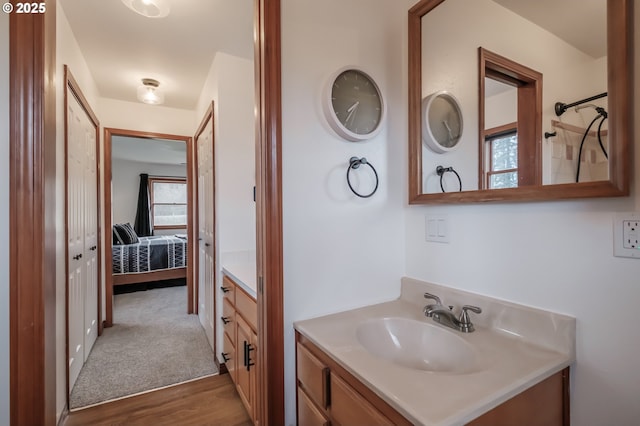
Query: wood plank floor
(209, 401)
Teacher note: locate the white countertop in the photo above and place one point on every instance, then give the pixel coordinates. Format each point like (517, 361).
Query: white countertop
(244, 274)
(517, 347)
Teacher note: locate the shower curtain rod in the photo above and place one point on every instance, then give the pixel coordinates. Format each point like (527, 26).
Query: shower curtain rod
(562, 107)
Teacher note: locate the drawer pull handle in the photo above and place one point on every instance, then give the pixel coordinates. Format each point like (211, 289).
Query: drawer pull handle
(248, 361)
(225, 357)
(225, 320)
(327, 387)
(224, 289)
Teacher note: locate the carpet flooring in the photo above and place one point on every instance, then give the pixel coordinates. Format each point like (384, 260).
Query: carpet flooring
(153, 343)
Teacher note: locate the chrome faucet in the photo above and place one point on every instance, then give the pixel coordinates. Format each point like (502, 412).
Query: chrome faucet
(445, 316)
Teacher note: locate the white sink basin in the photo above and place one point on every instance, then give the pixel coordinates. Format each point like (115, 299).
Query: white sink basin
(418, 345)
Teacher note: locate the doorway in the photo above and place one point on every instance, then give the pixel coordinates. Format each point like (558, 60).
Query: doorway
(32, 284)
(122, 137)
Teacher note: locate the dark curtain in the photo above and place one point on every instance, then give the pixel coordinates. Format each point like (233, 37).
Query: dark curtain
(142, 226)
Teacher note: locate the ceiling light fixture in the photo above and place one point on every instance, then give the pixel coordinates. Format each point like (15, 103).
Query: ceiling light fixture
(149, 8)
(148, 92)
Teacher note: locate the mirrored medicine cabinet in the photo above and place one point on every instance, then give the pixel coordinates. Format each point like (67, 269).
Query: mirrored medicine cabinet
(544, 90)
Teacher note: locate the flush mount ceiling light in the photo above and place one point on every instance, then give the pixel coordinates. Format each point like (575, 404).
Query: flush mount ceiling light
(149, 8)
(148, 92)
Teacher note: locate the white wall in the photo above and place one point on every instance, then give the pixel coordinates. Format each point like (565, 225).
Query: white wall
(148, 118)
(556, 256)
(125, 184)
(4, 219)
(230, 85)
(67, 52)
(340, 251)
(451, 63)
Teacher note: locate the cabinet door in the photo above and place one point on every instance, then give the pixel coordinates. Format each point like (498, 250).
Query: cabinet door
(348, 407)
(540, 405)
(253, 376)
(244, 373)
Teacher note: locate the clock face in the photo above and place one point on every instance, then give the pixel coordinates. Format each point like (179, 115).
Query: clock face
(356, 105)
(442, 122)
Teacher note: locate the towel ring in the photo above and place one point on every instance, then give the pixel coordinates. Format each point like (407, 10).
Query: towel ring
(440, 171)
(354, 163)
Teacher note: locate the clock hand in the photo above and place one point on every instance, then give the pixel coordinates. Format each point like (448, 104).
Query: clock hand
(448, 129)
(351, 110)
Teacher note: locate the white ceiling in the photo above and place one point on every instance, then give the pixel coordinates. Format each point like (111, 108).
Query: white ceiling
(122, 47)
(581, 23)
(155, 151)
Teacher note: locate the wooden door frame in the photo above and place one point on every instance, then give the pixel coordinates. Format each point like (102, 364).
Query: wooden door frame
(32, 283)
(109, 132)
(72, 87)
(32, 227)
(269, 257)
(196, 224)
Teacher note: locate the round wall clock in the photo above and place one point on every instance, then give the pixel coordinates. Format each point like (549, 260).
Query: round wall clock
(353, 105)
(441, 122)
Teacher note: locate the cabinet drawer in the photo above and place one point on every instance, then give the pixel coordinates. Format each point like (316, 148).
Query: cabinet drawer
(313, 376)
(348, 407)
(246, 306)
(228, 289)
(308, 413)
(229, 357)
(228, 320)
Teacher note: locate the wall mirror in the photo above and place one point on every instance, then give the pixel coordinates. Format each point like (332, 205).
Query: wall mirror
(544, 89)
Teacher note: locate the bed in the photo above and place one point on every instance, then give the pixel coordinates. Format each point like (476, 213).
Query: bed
(150, 259)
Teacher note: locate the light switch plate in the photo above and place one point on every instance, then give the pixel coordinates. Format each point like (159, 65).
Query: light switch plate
(436, 228)
(626, 235)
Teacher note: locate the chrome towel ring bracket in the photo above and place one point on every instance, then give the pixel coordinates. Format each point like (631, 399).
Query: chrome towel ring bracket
(355, 163)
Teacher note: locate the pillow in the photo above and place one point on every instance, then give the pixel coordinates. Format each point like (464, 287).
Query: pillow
(117, 241)
(126, 233)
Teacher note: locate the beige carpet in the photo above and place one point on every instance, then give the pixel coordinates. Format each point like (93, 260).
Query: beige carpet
(153, 343)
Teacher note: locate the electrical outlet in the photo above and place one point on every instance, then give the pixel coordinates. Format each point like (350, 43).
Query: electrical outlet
(630, 234)
(626, 235)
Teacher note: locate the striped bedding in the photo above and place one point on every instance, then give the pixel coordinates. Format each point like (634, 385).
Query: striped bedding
(150, 254)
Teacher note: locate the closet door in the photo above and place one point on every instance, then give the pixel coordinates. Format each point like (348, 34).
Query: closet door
(90, 238)
(82, 218)
(206, 223)
(76, 157)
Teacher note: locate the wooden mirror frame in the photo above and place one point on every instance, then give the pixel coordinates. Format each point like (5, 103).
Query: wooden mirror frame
(619, 74)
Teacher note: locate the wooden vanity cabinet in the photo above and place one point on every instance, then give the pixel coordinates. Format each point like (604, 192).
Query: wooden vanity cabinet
(240, 344)
(546, 403)
(330, 395)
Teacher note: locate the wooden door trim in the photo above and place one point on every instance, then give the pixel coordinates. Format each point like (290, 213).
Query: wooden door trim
(269, 212)
(208, 116)
(71, 85)
(32, 284)
(109, 132)
(32, 211)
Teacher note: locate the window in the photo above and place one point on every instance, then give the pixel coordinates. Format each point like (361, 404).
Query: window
(168, 198)
(502, 153)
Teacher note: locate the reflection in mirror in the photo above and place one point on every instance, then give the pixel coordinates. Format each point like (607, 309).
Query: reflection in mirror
(520, 113)
(527, 144)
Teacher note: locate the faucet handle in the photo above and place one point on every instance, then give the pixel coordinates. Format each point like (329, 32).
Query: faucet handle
(465, 321)
(434, 297)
